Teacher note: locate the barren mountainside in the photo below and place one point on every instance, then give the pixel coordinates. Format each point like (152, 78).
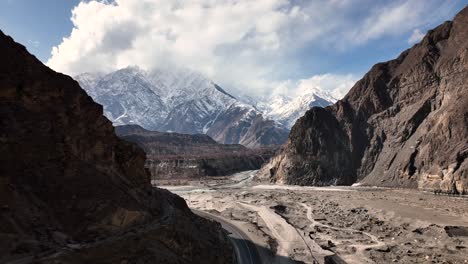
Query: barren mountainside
(404, 124)
(71, 191)
(174, 155)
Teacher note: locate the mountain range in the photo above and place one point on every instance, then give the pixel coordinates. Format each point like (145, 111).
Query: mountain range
(184, 101)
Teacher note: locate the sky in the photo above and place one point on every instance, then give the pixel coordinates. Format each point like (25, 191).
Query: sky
(258, 48)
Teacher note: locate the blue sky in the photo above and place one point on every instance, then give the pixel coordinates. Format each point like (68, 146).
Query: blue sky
(256, 47)
(39, 25)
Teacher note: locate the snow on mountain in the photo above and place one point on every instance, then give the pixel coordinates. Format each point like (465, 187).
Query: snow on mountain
(88, 82)
(127, 96)
(179, 100)
(287, 110)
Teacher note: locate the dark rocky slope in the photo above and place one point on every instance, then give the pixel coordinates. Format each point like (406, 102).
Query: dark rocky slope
(71, 191)
(174, 155)
(404, 124)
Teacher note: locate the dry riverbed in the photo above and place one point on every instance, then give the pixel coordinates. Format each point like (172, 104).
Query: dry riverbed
(360, 225)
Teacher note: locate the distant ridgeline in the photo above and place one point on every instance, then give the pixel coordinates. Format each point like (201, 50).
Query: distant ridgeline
(176, 156)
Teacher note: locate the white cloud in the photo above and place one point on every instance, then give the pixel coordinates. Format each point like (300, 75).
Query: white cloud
(238, 43)
(200, 34)
(416, 36)
(394, 18)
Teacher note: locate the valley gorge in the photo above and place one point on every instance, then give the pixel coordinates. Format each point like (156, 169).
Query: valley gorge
(248, 154)
(404, 124)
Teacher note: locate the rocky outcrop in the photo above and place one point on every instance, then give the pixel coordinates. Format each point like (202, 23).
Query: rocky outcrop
(71, 191)
(404, 124)
(176, 156)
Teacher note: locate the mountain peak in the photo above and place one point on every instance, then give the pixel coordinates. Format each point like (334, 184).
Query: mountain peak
(287, 109)
(132, 69)
(178, 100)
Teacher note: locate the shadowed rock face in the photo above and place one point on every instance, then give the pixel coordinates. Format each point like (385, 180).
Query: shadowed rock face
(174, 155)
(66, 178)
(404, 124)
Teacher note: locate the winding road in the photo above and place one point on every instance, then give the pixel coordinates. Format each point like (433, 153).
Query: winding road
(246, 251)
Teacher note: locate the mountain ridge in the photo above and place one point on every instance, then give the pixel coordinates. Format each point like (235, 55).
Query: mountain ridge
(71, 191)
(402, 125)
(175, 156)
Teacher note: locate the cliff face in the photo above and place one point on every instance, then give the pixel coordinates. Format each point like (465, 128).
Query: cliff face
(404, 124)
(174, 155)
(67, 181)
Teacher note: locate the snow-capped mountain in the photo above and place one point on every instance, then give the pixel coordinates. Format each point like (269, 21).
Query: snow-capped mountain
(287, 110)
(182, 101)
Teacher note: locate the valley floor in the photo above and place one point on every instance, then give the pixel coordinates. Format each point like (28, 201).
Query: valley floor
(357, 224)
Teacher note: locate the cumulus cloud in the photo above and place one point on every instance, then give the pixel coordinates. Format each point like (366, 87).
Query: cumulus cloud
(416, 36)
(243, 43)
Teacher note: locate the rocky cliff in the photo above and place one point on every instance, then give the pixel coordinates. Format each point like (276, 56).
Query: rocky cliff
(71, 191)
(404, 124)
(174, 155)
